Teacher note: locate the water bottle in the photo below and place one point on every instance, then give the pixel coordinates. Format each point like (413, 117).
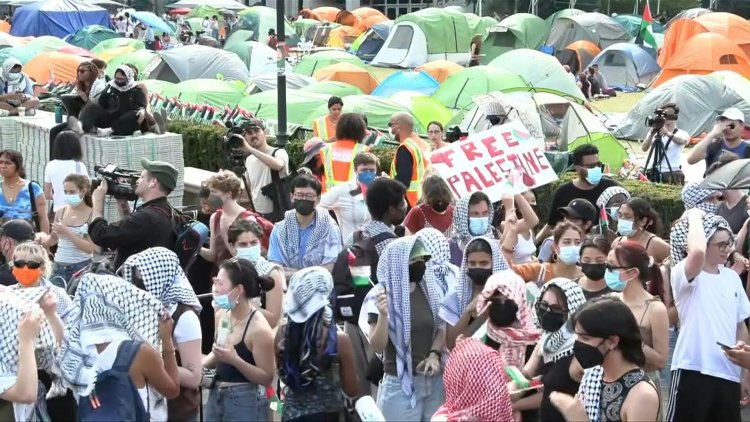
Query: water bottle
(58, 114)
(368, 410)
(223, 332)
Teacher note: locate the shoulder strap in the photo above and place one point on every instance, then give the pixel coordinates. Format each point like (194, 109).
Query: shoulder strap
(247, 324)
(34, 212)
(125, 355)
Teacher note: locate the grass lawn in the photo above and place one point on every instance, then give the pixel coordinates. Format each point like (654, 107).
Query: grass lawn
(622, 103)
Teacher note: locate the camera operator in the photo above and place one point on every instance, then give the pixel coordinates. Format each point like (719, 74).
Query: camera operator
(672, 140)
(149, 226)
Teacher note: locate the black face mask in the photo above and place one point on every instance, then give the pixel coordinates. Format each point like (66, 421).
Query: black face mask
(503, 314)
(593, 271)
(588, 356)
(304, 206)
(121, 83)
(439, 206)
(416, 271)
(479, 276)
(551, 321)
(215, 202)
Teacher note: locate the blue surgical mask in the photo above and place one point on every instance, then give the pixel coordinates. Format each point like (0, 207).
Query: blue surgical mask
(594, 175)
(73, 200)
(569, 254)
(251, 253)
(224, 302)
(365, 177)
(613, 212)
(478, 225)
(612, 278)
(625, 227)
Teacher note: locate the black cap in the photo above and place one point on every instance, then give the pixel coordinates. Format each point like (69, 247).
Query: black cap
(253, 124)
(18, 230)
(579, 209)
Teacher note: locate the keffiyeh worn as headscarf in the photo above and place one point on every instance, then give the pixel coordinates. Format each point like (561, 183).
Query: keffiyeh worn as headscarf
(475, 388)
(129, 75)
(693, 196)
(679, 232)
(559, 344)
(309, 291)
(609, 193)
(14, 82)
(458, 299)
(288, 231)
(461, 222)
(162, 276)
(393, 274)
(444, 273)
(522, 333)
(105, 308)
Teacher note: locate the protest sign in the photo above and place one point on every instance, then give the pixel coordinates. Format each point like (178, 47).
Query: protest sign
(503, 159)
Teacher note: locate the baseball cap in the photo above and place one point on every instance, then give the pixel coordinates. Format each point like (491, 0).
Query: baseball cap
(253, 124)
(311, 148)
(733, 113)
(579, 209)
(18, 230)
(164, 172)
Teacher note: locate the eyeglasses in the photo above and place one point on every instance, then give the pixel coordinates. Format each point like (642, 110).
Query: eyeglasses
(309, 196)
(592, 165)
(728, 244)
(32, 265)
(544, 306)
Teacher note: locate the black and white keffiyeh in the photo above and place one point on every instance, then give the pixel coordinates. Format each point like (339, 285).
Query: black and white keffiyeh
(559, 344)
(162, 276)
(105, 308)
(393, 274)
(461, 222)
(679, 232)
(288, 232)
(609, 193)
(457, 299)
(374, 228)
(590, 390)
(14, 82)
(129, 75)
(309, 291)
(443, 272)
(693, 196)
(64, 303)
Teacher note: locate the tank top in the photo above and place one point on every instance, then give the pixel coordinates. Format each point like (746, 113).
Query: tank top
(556, 377)
(614, 394)
(525, 249)
(67, 251)
(228, 373)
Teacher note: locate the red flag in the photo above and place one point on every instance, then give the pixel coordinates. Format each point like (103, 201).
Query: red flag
(647, 13)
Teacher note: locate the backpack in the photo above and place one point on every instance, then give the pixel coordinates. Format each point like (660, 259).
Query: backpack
(349, 293)
(115, 398)
(265, 225)
(278, 192)
(190, 235)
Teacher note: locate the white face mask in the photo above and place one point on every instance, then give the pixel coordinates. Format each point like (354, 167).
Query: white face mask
(14, 77)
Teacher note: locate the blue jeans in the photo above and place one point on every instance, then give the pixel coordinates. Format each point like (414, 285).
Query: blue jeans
(396, 406)
(238, 403)
(66, 271)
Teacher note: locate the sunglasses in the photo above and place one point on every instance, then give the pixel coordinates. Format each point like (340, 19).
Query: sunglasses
(32, 265)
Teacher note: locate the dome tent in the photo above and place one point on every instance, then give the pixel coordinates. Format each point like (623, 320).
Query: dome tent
(58, 18)
(196, 62)
(520, 30)
(626, 66)
(594, 27)
(88, 37)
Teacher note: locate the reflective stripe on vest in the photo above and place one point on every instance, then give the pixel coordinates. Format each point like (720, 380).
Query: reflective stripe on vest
(417, 173)
(330, 180)
(320, 128)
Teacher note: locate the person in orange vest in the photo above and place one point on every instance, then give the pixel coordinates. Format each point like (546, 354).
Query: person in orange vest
(337, 157)
(325, 127)
(412, 156)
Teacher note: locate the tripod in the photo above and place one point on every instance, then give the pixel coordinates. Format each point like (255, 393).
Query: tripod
(659, 152)
(235, 162)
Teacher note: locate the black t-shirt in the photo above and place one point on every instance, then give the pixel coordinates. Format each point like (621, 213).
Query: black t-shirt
(568, 192)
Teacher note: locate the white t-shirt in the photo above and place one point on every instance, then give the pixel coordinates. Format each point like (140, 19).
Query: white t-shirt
(188, 327)
(259, 175)
(351, 211)
(674, 152)
(710, 307)
(55, 173)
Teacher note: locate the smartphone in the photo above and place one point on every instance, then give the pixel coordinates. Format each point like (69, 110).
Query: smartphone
(724, 346)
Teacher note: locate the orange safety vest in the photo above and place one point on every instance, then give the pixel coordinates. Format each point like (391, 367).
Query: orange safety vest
(323, 128)
(420, 151)
(338, 162)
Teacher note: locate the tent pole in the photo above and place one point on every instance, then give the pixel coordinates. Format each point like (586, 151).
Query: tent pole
(281, 136)
(658, 7)
(479, 8)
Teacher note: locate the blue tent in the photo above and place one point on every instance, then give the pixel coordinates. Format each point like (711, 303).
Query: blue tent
(373, 40)
(625, 66)
(58, 18)
(407, 80)
(153, 21)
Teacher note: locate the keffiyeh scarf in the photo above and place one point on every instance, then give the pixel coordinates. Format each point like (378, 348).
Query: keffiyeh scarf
(374, 228)
(288, 231)
(105, 308)
(461, 222)
(393, 274)
(693, 196)
(609, 193)
(475, 388)
(12, 84)
(129, 75)
(458, 299)
(441, 270)
(64, 303)
(559, 344)
(522, 333)
(590, 391)
(309, 291)
(679, 232)
(162, 276)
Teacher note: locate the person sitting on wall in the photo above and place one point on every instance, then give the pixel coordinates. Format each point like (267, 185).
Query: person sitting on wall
(17, 89)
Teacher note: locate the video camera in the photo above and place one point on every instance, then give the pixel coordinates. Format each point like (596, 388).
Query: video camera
(454, 133)
(656, 122)
(120, 182)
(233, 138)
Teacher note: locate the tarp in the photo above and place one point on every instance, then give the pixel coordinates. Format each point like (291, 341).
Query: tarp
(88, 37)
(625, 66)
(457, 91)
(258, 58)
(309, 64)
(207, 91)
(701, 99)
(520, 30)
(153, 21)
(541, 71)
(141, 59)
(378, 111)
(330, 88)
(259, 19)
(595, 27)
(58, 18)
(218, 4)
(197, 62)
(299, 105)
(406, 80)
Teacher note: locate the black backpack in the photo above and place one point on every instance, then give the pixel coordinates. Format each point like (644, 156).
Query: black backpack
(350, 290)
(190, 235)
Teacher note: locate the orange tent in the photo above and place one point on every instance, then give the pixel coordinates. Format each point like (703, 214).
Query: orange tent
(440, 69)
(703, 54)
(578, 55)
(4, 26)
(59, 67)
(326, 13)
(679, 32)
(348, 73)
(343, 35)
(366, 12)
(729, 25)
(347, 18)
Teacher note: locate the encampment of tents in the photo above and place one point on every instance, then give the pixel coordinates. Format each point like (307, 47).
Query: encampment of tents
(520, 30)
(407, 80)
(542, 71)
(578, 55)
(597, 28)
(625, 66)
(196, 62)
(89, 36)
(458, 90)
(58, 18)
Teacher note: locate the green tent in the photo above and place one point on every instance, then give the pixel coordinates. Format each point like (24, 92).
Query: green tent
(424, 108)
(89, 36)
(301, 25)
(446, 30)
(564, 13)
(206, 91)
(378, 111)
(632, 24)
(258, 57)
(259, 19)
(23, 54)
(300, 105)
(46, 43)
(118, 43)
(237, 37)
(329, 88)
(138, 58)
(205, 11)
(522, 30)
(456, 91)
(310, 63)
(542, 71)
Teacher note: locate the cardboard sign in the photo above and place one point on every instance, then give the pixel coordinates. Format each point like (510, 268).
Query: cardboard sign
(503, 159)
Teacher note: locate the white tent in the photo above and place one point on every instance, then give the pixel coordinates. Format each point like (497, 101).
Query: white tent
(219, 4)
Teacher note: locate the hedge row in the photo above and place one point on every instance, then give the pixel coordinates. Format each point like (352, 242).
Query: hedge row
(202, 149)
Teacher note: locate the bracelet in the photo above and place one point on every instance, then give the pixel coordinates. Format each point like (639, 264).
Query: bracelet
(435, 351)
